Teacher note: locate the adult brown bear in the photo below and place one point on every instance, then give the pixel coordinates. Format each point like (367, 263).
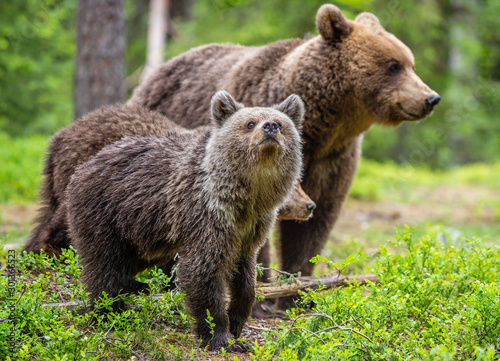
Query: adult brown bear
(351, 76)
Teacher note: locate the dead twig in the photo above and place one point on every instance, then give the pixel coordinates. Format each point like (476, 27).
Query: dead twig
(263, 290)
(331, 280)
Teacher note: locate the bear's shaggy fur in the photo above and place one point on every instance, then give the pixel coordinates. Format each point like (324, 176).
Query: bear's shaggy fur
(212, 196)
(73, 146)
(299, 208)
(80, 141)
(351, 76)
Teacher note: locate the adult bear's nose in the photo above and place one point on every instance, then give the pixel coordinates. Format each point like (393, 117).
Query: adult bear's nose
(432, 101)
(270, 127)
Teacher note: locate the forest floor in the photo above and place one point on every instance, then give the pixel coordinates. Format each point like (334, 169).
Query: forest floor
(365, 224)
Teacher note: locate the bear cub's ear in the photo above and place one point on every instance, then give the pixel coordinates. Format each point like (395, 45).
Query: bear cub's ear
(294, 107)
(223, 106)
(331, 23)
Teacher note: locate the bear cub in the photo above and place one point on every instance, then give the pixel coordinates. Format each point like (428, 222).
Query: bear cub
(211, 196)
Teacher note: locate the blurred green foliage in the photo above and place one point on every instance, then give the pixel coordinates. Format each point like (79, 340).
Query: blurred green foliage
(22, 162)
(250, 22)
(455, 43)
(36, 65)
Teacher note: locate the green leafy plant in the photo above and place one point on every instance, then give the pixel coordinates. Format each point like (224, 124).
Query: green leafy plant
(33, 328)
(436, 300)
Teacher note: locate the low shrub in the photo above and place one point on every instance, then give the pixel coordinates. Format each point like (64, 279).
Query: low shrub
(29, 330)
(439, 300)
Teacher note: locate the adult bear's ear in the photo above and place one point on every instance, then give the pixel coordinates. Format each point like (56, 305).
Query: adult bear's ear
(223, 106)
(294, 107)
(371, 21)
(331, 23)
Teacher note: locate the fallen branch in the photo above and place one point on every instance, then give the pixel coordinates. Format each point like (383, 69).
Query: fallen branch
(264, 290)
(303, 283)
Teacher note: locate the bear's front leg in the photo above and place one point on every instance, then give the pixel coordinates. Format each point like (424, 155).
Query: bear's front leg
(242, 288)
(204, 287)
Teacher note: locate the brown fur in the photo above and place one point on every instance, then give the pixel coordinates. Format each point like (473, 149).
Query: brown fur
(79, 142)
(73, 146)
(351, 76)
(299, 208)
(211, 196)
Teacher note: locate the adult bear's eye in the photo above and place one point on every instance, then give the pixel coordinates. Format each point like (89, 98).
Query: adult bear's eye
(394, 68)
(250, 125)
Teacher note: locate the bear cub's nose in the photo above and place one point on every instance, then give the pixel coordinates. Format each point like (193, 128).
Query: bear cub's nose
(311, 207)
(432, 101)
(270, 127)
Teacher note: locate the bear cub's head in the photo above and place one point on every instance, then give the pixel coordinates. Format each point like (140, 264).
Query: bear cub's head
(258, 134)
(254, 153)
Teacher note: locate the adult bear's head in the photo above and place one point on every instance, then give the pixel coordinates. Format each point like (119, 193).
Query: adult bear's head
(377, 68)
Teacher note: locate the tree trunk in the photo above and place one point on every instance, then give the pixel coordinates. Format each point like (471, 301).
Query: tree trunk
(99, 69)
(157, 35)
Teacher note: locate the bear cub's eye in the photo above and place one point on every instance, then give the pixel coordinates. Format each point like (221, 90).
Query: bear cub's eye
(250, 125)
(394, 68)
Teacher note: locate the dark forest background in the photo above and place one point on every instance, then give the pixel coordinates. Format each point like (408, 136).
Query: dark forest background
(456, 44)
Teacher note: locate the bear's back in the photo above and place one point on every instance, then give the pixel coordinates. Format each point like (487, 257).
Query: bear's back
(81, 140)
(181, 88)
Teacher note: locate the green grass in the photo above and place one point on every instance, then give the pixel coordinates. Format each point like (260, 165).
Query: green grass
(375, 181)
(386, 195)
(21, 162)
(438, 299)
